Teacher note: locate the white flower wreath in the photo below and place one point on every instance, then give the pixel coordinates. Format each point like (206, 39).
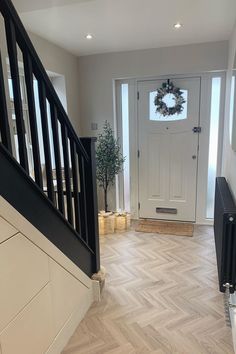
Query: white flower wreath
(161, 107)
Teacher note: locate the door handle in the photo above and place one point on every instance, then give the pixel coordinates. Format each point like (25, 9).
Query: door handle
(194, 157)
(197, 129)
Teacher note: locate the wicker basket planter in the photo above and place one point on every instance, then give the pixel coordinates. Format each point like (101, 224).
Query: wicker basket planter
(106, 223)
(122, 222)
(128, 221)
(113, 222)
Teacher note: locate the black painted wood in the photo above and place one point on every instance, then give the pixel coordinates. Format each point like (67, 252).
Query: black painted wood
(27, 198)
(83, 201)
(32, 118)
(18, 188)
(91, 200)
(24, 42)
(4, 123)
(12, 51)
(67, 173)
(46, 142)
(75, 178)
(59, 188)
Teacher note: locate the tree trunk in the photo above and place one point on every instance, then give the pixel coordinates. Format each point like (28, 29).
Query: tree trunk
(105, 200)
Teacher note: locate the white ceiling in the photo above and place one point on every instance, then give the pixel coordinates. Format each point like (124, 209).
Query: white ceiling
(33, 5)
(120, 25)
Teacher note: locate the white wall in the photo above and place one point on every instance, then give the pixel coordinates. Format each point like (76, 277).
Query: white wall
(97, 73)
(43, 294)
(60, 61)
(229, 156)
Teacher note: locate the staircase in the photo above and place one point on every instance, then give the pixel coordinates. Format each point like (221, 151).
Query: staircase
(54, 190)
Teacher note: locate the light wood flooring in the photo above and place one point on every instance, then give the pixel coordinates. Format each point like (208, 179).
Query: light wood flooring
(161, 296)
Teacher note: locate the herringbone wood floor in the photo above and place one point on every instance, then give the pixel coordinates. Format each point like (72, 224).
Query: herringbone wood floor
(161, 296)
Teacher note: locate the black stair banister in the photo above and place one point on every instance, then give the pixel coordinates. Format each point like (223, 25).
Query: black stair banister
(60, 195)
(67, 173)
(8, 11)
(63, 205)
(26, 197)
(75, 179)
(46, 142)
(28, 70)
(13, 59)
(91, 198)
(83, 201)
(4, 123)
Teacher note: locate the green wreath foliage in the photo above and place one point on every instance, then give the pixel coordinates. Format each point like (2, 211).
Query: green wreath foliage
(161, 106)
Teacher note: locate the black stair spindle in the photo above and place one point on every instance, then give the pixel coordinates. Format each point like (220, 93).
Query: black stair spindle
(57, 158)
(64, 135)
(83, 202)
(46, 142)
(75, 185)
(91, 200)
(8, 11)
(70, 220)
(12, 51)
(4, 122)
(32, 118)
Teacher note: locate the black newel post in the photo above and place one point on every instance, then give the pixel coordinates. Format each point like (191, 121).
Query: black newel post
(91, 200)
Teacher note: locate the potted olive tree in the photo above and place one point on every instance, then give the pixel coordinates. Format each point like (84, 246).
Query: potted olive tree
(110, 161)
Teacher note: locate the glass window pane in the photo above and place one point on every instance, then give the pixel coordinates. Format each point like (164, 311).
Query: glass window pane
(213, 144)
(231, 114)
(168, 99)
(10, 89)
(125, 134)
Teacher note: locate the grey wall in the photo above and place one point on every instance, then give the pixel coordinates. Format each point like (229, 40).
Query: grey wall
(97, 71)
(56, 60)
(88, 80)
(229, 156)
(61, 62)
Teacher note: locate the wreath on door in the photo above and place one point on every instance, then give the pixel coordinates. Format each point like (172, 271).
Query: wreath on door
(168, 88)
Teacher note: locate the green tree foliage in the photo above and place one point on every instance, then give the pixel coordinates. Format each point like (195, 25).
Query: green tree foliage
(109, 160)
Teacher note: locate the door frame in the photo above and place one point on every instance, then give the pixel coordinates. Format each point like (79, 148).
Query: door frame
(155, 132)
(204, 121)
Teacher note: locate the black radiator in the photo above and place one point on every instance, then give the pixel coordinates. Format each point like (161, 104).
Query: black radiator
(225, 235)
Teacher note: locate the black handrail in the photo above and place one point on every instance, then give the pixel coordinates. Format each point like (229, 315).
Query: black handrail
(10, 15)
(72, 188)
(4, 124)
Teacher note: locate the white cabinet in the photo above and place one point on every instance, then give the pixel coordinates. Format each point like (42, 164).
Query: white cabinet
(23, 273)
(68, 294)
(31, 332)
(6, 231)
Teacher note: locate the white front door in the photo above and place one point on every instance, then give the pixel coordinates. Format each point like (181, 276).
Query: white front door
(168, 153)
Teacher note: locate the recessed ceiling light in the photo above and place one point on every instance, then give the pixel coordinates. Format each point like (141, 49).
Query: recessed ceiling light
(89, 36)
(178, 25)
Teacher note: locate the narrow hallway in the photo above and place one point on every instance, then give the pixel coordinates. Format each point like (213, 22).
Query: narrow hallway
(161, 296)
